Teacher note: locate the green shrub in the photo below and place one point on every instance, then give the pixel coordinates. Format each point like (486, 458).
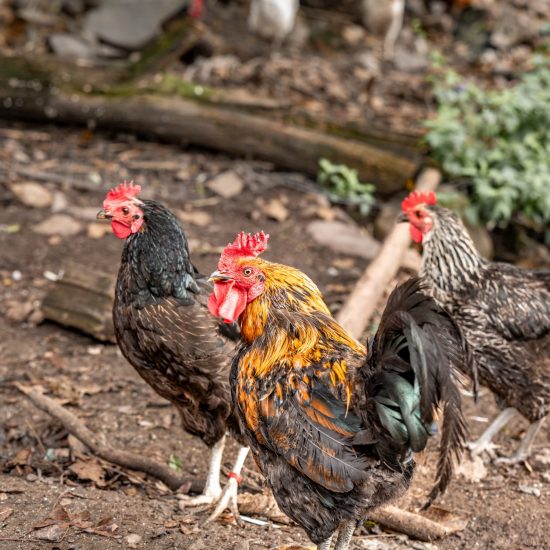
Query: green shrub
(498, 142)
(343, 186)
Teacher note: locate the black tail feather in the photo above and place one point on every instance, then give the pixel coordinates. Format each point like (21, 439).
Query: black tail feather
(411, 370)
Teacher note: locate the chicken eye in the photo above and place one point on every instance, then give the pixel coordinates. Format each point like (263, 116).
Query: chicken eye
(125, 210)
(247, 271)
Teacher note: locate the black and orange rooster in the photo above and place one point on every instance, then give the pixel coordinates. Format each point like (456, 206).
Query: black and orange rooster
(503, 310)
(331, 428)
(164, 330)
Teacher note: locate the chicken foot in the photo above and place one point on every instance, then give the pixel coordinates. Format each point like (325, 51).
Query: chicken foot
(325, 545)
(228, 497)
(212, 488)
(524, 450)
(484, 443)
(344, 535)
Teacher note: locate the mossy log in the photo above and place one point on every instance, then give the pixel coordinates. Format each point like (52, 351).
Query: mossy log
(83, 299)
(209, 120)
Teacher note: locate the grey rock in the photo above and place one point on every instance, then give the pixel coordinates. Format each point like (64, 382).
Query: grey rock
(71, 46)
(410, 62)
(129, 24)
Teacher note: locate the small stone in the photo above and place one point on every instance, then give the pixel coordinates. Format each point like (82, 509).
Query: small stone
(195, 217)
(227, 184)
(274, 209)
(58, 224)
(529, 490)
(52, 533)
(59, 202)
(98, 230)
(32, 194)
(410, 62)
(18, 312)
(353, 34)
(472, 470)
(133, 540)
(36, 317)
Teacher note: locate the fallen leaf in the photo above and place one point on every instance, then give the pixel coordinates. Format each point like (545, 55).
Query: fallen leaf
(32, 194)
(263, 505)
(58, 224)
(5, 513)
(89, 470)
(21, 458)
(227, 184)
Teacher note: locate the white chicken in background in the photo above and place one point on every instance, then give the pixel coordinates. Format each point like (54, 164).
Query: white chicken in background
(384, 18)
(273, 19)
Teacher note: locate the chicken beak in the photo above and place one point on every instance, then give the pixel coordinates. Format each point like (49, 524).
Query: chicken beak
(402, 218)
(102, 215)
(217, 277)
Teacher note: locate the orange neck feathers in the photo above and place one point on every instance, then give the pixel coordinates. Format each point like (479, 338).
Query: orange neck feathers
(293, 322)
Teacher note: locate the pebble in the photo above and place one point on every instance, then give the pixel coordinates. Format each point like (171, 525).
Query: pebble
(227, 184)
(32, 194)
(133, 540)
(58, 224)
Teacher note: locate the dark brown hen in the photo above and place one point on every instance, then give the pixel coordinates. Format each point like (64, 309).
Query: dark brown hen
(332, 428)
(164, 330)
(504, 312)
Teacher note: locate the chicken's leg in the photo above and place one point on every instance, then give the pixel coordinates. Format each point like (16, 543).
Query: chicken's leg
(212, 489)
(228, 498)
(484, 442)
(344, 535)
(524, 449)
(325, 545)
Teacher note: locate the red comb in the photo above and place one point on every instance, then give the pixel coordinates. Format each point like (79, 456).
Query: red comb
(195, 9)
(246, 244)
(416, 198)
(125, 191)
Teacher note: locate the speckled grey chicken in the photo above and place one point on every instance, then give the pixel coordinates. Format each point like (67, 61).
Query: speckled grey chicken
(503, 310)
(164, 330)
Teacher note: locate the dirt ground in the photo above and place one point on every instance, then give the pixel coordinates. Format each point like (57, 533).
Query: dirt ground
(509, 508)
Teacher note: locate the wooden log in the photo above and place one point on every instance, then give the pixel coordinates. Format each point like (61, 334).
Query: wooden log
(83, 299)
(31, 93)
(363, 300)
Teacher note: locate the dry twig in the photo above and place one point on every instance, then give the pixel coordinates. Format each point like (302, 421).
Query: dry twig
(361, 303)
(99, 447)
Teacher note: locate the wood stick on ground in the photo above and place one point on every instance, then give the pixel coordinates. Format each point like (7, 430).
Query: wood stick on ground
(414, 525)
(361, 303)
(100, 448)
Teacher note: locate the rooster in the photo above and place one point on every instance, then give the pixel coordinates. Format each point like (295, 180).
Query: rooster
(503, 310)
(331, 427)
(164, 330)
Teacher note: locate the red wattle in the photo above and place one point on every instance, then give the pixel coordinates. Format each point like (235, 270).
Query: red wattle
(120, 230)
(227, 301)
(416, 234)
